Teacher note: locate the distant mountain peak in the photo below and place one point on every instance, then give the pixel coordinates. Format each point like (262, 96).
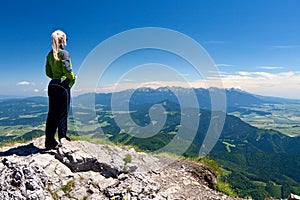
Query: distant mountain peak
(233, 89)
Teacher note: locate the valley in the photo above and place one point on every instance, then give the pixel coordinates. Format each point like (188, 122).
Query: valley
(281, 117)
(258, 146)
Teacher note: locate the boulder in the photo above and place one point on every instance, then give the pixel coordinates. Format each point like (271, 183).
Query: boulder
(293, 197)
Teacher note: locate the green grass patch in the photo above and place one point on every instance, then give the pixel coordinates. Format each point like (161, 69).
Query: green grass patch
(222, 185)
(68, 187)
(260, 183)
(228, 145)
(127, 159)
(90, 138)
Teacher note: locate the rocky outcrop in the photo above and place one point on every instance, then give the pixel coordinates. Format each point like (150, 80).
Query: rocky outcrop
(293, 197)
(21, 180)
(83, 170)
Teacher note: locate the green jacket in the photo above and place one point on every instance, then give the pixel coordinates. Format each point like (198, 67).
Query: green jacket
(61, 69)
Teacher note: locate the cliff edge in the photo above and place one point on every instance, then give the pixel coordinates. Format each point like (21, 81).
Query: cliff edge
(84, 170)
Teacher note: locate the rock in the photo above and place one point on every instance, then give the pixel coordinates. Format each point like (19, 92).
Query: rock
(83, 170)
(78, 159)
(293, 197)
(20, 180)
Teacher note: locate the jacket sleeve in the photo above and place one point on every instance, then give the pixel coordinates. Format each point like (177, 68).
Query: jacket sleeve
(49, 72)
(67, 67)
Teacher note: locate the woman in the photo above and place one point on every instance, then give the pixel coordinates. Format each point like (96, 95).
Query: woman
(59, 69)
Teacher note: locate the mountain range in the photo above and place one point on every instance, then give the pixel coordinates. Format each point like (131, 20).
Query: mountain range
(234, 97)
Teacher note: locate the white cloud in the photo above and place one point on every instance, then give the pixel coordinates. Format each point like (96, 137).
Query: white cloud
(270, 67)
(36, 90)
(244, 73)
(24, 83)
(224, 65)
(284, 84)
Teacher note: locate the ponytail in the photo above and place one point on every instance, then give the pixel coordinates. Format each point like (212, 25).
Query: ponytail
(58, 38)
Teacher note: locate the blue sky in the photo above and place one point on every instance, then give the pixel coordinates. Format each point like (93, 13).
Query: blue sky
(255, 44)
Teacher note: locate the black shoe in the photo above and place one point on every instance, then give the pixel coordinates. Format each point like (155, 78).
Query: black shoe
(66, 137)
(50, 147)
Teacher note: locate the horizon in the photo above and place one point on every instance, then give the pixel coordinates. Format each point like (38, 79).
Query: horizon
(6, 97)
(254, 45)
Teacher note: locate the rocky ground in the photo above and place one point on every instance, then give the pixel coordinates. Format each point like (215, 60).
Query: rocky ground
(83, 170)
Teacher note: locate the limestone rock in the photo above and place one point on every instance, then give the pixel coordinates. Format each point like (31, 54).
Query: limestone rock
(22, 180)
(78, 158)
(293, 197)
(83, 170)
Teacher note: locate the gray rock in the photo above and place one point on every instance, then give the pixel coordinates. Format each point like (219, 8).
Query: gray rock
(293, 197)
(78, 159)
(83, 170)
(20, 180)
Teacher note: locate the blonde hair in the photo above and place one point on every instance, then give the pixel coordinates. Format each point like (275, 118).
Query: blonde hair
(58, 38)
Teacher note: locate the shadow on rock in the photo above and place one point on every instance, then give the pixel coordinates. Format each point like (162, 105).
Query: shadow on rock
(24, 150)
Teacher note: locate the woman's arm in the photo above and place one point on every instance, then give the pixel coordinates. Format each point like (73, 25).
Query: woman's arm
(67, 67)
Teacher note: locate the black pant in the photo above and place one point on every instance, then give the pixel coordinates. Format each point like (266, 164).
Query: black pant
(59, 103)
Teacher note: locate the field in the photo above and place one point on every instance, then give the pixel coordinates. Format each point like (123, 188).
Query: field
(281, 117)
(16, 122)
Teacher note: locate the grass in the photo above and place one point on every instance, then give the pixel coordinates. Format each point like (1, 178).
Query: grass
(89, 138)
(53, 194)
(127, 159)
(12, 142)
(18, 130)
(170, 155)
(16, 141)
(221, 173)
(225, 188)
(68, 187)
(228, 145)
(86, 197)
